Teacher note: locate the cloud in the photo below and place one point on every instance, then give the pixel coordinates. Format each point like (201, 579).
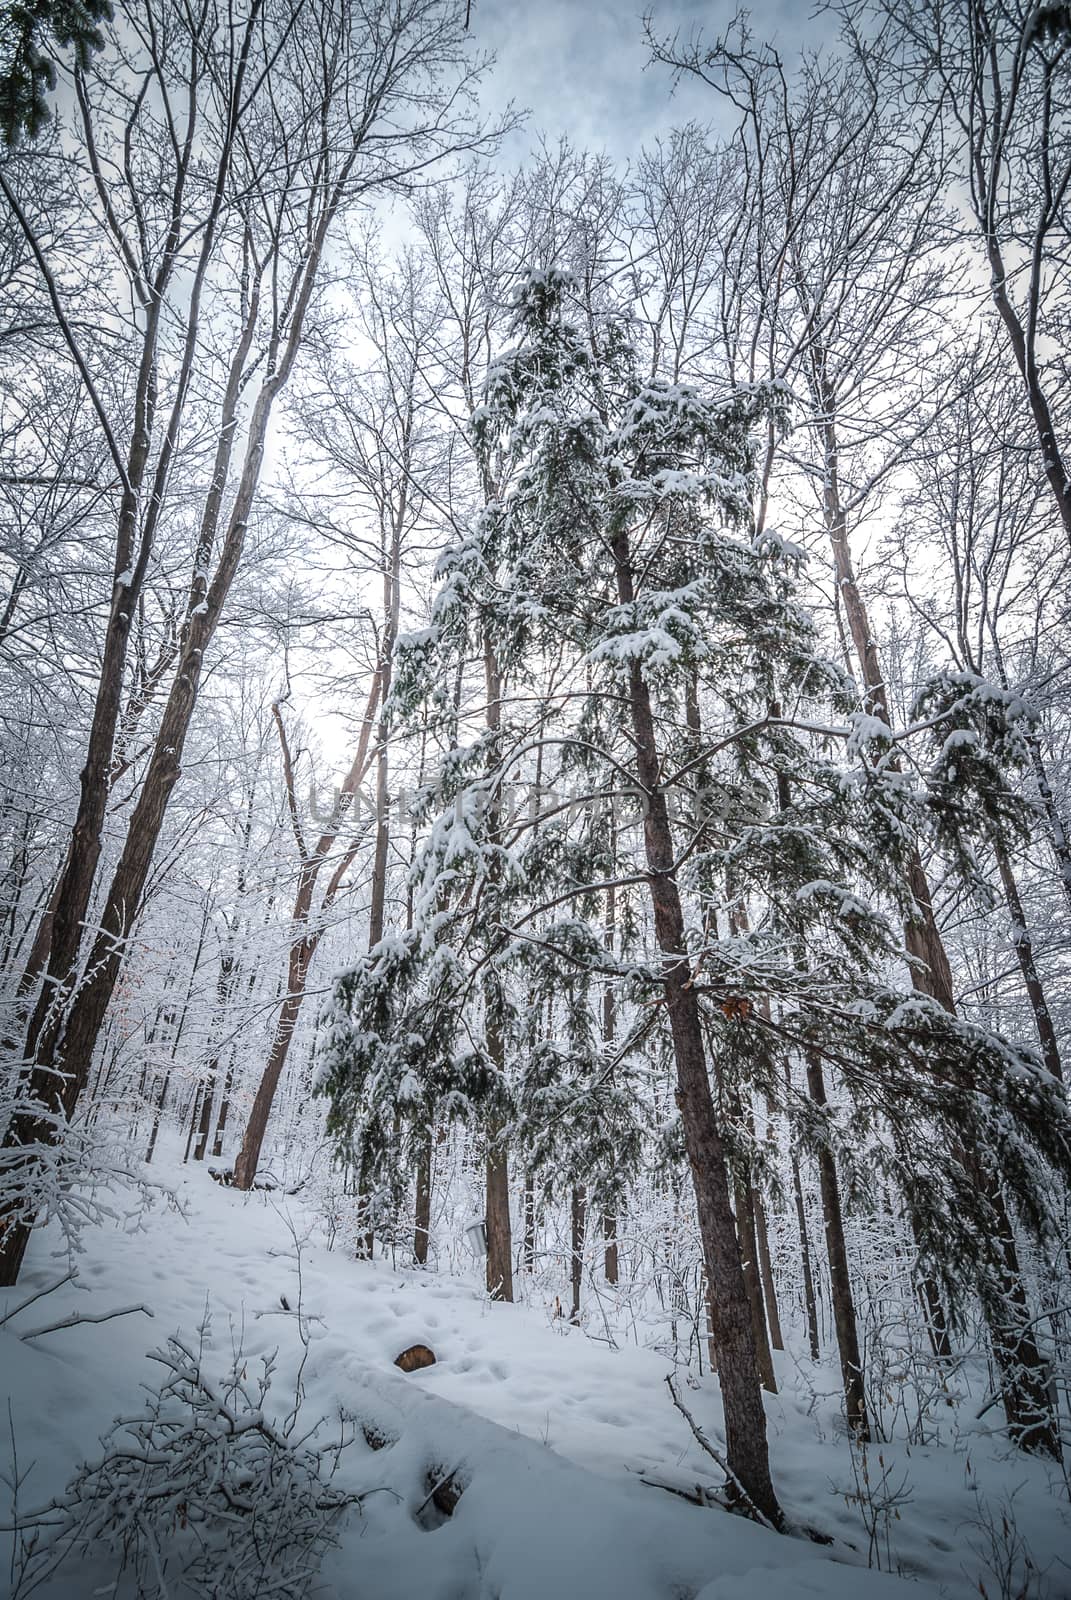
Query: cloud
(581, 66)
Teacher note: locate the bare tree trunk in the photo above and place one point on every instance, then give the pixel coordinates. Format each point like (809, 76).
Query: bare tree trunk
(810, 1302)
(745, 1419)
(497, 1221)
(306, 937)
(609, 1032)
(577, 1221)
(223, 990)
(1023, 339)
(224, 1112)
(499, 1234)
(609, 1233)
(745, 1228)
(1024, 951)
(529, 1248)
(195, 1102)
(245, 1166)
(422, 1226)
(840, 1283)
(769, 1288)
(158, 1112)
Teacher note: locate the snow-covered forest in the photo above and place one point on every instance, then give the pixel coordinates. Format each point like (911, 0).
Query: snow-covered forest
(535, 805)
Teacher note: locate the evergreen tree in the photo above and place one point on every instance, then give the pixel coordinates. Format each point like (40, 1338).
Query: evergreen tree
(27, 72)
(622, 546)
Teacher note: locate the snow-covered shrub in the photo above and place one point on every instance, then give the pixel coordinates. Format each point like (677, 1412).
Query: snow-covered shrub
(82, 1173)
(200, 1495)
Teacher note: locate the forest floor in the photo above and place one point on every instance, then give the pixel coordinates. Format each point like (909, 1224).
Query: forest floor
(567, 1450)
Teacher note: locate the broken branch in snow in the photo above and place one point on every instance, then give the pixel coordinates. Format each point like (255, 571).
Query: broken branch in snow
(39, 1294)
(444, 1492)
(699, 1496)
(704, 1444)
(78, 1317)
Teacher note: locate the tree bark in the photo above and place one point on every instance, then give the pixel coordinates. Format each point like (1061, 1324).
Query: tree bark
(745, 1228)
(245, 1166)
(840, 1283)
(422, 1227)
(529, 1248)
(499, 1235)
(745, 1419)
(810, 1302)
(497, 1217)
(609, 1033)
(577, 1221)
(1024, 952)
(609, 1233)
(769, 1288)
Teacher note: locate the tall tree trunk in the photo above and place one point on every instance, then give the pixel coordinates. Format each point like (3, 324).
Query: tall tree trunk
(745, 1419)
(422, 1222)
(224, 1112)
(609, 1233)
(305, 936)
(810, 1300)
(497, 1217)
(499, 1233)
(223, 991)
(1022, 339)
(840, 1283)
(158, 1111)
(245, 1166)
(195, 1103)
(769, 1288)
(609, 1032)
(577, 1220)
(745, 1228)
(1024, 951)
(529, 1248)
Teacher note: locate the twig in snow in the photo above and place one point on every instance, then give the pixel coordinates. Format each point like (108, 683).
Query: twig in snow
(437, 1487)
(695, 1497)
(78, 1317)
(39, 1295)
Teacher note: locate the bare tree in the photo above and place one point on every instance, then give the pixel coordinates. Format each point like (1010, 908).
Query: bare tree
(998, 74)
(339, 105)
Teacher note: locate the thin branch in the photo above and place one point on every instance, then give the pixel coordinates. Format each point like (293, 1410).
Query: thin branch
(66, 331)
(78, 1317)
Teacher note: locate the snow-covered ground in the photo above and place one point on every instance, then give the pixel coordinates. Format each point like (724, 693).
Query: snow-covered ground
(566, 1450)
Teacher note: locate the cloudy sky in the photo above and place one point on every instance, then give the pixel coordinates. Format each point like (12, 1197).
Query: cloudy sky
(580, 66)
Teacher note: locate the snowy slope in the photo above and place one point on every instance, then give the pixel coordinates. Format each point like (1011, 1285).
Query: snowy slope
(550, 1434)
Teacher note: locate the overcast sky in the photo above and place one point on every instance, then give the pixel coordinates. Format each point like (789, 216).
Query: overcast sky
(580, 66)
